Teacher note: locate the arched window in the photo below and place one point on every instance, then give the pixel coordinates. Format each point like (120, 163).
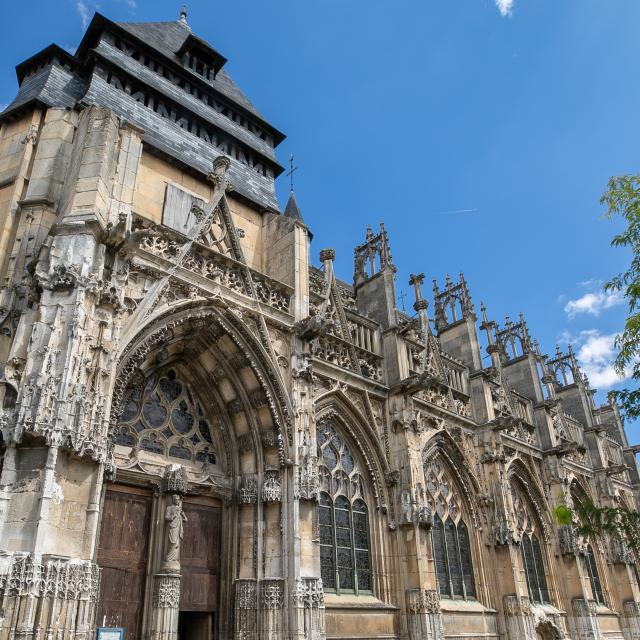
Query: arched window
(344, 521)
(594, 578)
(531, 551)
(450, 536)
(165, 418)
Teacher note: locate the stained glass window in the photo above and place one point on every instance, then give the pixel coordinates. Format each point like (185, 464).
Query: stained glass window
(526, 522)
(344, 521)
(163, 418)
(594, 578)
(534, 568)
(449, 536)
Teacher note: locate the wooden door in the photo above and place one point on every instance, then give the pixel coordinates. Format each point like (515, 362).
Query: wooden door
(200, 556)
(122, 555)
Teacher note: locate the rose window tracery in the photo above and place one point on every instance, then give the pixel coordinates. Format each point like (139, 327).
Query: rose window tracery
(164, 417)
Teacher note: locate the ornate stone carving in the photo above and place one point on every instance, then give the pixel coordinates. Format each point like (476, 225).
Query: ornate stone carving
(414, 507)
(307, 593)
(271, 486)
(619, 550)
(246, 605)
(248, 490)
(166, 593)
(423, 601)
(272, 594)
(307, 485)
(175, 478)
(570, 542)
(424, 620)
(517, 606)
(49, 587)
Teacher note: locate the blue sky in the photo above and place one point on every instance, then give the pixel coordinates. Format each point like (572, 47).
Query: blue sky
(481, 131)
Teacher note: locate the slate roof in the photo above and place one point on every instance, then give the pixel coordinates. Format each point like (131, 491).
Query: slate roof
(52, 86)
(168, 37)
(292, 210)
(55, 78)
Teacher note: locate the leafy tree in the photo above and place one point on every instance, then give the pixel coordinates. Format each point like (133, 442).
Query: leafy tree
(591, 521)
(622, 198)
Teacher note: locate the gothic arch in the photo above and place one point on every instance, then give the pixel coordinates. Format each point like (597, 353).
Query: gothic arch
(528, 483)
(242, 359)
(336, 409)
(338, 406)
(458, 465)
(442, 446)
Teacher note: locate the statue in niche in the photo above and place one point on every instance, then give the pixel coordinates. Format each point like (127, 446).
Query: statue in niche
(174, 520)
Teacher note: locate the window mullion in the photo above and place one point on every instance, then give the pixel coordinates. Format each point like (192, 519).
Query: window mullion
(335, 546)
(353, 549)
(446, 558)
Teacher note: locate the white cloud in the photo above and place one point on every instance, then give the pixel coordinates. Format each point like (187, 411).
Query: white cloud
(505, 7)
(596, 356)
(595, 353)
(84, 13)
(593, 303)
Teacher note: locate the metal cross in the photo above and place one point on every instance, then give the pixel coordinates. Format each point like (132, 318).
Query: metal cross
(402, 295)
(291, 170)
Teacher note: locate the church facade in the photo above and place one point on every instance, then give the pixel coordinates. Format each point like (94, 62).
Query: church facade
(206, 437)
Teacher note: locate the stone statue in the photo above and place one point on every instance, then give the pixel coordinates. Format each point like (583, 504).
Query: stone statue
(174, 519)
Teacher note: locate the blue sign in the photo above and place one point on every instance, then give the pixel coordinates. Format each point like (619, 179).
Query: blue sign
(110, 633)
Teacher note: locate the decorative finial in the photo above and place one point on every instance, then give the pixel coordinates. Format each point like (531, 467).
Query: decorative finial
(183, 14)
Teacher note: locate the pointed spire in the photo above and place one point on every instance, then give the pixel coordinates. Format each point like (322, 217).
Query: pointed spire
(183, 14)
(292, 210)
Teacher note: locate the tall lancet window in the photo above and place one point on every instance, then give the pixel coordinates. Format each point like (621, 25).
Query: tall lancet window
(531, 551)
(450, 536)
(594, 578)
(345, 555)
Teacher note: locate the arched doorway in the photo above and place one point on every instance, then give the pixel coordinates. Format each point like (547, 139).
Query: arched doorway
(161, 532)
(196, 433)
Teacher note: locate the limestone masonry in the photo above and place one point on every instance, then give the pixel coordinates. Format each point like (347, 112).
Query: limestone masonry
(205, 437)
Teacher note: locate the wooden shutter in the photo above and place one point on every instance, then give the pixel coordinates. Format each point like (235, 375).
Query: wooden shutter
(122, 554)
(177, 213)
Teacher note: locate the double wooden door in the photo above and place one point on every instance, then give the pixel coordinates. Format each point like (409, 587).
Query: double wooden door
(123, 555)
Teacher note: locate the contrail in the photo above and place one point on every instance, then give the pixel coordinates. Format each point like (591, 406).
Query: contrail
(457, 211)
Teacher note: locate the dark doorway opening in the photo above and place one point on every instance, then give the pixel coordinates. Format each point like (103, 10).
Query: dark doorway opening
(195, 625)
